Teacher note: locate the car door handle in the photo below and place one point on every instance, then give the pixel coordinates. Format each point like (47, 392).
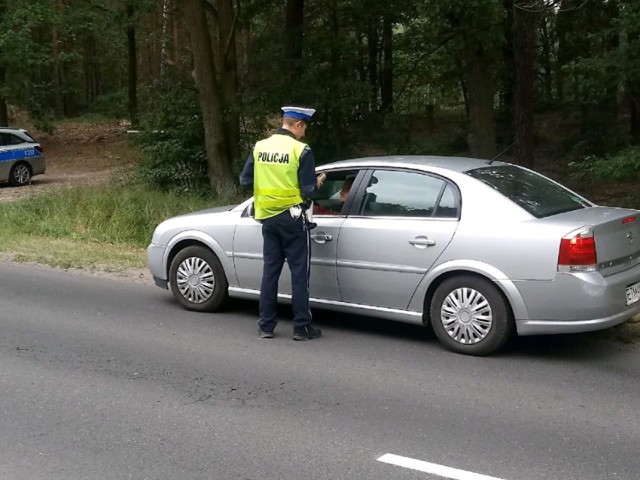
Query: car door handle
(422, 242)
(321, 237)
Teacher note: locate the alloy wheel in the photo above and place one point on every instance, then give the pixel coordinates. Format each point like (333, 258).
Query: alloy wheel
(195, 280)
(21, 174)
(466, 316)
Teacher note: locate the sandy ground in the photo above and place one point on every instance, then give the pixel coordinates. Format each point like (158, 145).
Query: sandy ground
(76, 155)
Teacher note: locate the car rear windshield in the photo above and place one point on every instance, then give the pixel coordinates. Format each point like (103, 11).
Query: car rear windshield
(536, 194)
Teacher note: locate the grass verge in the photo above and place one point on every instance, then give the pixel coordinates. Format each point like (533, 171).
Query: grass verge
(106, 228)
(66, 253)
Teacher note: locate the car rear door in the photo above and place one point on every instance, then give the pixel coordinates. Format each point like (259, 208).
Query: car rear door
(402, 222)
(4, 160)
(6, 157)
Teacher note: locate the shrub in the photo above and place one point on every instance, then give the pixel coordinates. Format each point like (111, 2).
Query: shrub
(172, 144)
(624, 165)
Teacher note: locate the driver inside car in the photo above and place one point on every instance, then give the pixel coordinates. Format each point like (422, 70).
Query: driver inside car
(343, 194)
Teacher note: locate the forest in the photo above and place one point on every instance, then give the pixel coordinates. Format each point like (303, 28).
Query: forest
(201, 80)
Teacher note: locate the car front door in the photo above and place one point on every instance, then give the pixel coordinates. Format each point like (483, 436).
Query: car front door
(247, 254)
(404, 221)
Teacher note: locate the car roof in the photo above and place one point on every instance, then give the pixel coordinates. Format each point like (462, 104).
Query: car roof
(457, 164)
(21, 132)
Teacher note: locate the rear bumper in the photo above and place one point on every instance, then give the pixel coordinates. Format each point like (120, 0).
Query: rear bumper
(547, 327)
(38, 165)
(578, 302)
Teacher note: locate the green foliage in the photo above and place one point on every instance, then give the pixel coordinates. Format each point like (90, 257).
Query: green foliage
(625, 165)
(112, 105)
(592, 52)
(125, 214)
(172, 144)
(21, 55)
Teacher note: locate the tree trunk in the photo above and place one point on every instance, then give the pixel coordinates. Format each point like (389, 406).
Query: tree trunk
(634, 112)
(133, 66)
(565, 23)
(524, 54)
(164, 41)
(4, 112)
(509, 69)
(57, 68)
(546, 60)
(337, 73)
(91, 69)
(373, 64)
(206, 80)
(633, 94)
(294, 29)
(480, 91)
(293, 34)
(228, 77)
(386, 93)
(175, 40)
(600, 111)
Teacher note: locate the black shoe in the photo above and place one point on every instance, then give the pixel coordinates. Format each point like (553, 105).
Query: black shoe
(264, 334)
(307, 332)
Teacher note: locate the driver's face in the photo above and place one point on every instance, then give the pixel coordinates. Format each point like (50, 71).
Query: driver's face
(344, 192)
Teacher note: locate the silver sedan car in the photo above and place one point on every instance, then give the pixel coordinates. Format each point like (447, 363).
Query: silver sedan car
(476, 250)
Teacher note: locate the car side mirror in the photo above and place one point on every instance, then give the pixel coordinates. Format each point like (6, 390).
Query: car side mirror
(250, 212)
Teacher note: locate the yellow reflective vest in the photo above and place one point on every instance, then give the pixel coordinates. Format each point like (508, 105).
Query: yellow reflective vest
(275, 175)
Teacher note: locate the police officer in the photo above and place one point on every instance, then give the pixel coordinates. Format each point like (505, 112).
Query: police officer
(281, 169)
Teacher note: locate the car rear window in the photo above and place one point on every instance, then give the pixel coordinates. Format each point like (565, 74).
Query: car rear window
(29, 137)
(536, 194)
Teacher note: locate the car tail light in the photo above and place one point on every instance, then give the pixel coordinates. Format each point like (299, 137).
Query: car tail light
(578, 251)
(39, 148)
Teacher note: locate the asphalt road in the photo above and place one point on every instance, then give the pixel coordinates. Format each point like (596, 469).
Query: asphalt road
(103, 379)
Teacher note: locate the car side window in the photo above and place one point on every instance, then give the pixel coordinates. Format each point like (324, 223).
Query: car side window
(334, 192)
(394, 193)
(249, 210)
(8, 139)
(448, 204)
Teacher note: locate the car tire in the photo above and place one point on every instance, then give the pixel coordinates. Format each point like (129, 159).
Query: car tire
(197, 279)
(20, 174)
(469, 315)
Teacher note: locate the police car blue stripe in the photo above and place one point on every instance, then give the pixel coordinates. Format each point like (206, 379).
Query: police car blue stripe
(19, 154)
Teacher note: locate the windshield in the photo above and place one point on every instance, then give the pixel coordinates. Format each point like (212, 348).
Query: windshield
(536, 194)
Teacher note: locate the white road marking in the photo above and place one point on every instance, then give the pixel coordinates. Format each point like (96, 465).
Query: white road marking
(434, 468)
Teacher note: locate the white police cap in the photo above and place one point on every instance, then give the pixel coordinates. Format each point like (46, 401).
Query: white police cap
(299, 112)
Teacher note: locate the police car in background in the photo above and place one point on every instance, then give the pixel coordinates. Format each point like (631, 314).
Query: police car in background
(20, 157)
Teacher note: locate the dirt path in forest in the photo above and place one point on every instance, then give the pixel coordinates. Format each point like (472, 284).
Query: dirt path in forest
(78, 154)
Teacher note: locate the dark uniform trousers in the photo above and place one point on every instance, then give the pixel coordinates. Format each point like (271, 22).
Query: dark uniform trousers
(285, 237)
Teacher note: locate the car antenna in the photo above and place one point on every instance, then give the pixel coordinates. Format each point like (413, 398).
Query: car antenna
(502, 152)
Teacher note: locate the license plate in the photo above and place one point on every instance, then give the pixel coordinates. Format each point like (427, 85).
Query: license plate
(633, 293)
